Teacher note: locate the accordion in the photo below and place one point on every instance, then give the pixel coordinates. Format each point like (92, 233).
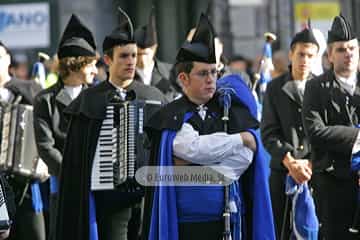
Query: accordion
(120, 148)
(18, 152)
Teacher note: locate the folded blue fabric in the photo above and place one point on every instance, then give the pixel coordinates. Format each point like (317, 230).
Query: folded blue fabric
(305, 221)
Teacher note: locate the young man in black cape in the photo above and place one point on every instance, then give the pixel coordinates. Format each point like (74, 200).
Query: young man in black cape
(87, 112)
(331, 113)
(282, 128)
(77, 59)
(190, 130)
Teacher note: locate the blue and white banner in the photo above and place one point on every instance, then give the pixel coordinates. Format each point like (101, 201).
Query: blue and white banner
(25, 25)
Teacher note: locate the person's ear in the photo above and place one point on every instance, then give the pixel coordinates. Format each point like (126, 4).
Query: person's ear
(184, 79)
(107, 60)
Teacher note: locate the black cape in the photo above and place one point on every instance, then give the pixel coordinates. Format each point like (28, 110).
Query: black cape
(86, 114)
(171, 117)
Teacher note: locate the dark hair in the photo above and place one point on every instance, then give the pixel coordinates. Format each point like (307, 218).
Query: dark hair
(73, 64)
(293, 46)
(185, 67)
(110, 52)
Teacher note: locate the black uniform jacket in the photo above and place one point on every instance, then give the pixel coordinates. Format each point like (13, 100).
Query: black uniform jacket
(50, 125)
(329, 115)
(86, 114)
(281, 125)
(160, 79)
(171, 116)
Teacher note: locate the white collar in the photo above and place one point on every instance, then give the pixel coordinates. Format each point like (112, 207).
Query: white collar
(73, 91)
(120, 90)
(349, 84)
(146, 73)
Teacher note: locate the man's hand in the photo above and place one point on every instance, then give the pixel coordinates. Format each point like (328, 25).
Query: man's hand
(4, 235)
(248, 140)
(180, 162)
(299, 169)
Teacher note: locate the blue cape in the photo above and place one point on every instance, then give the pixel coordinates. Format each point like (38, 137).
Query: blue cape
(164, 219)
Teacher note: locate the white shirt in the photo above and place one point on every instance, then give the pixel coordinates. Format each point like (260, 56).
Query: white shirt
(146, 73)
(120, 90)
(217, 149)
(349, 84)
(300, 85)
(73, 91)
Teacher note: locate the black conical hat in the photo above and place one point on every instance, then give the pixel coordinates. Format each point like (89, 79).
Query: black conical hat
(122, 34)
(305, 36)
(210, 15)
(146, 36)
(340, 30)
(201, 48)
(77, 40)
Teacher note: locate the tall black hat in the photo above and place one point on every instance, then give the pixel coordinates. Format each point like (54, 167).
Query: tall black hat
(122, 34)
(305, 36)
(77, 40)
(340, 30)
(201, 48)
(146, 36)
(210, 15)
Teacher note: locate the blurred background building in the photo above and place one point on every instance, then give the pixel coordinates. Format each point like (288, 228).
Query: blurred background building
(29, 26)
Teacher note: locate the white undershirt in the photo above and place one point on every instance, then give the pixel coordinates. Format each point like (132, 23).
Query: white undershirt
(219, 149)
(146, 73)
(73, 91)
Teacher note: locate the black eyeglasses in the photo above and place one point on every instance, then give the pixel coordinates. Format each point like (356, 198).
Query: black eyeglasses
(204, 74)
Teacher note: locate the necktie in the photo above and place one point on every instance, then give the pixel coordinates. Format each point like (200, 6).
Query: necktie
(202, 111)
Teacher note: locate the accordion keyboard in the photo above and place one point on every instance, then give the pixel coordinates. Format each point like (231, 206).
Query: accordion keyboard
(102, 176)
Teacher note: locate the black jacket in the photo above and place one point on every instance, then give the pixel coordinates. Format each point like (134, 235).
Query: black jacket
(282, 129)
(50, 125)
(329, 115)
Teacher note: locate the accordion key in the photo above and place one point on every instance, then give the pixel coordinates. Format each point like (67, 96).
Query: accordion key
(120, 148)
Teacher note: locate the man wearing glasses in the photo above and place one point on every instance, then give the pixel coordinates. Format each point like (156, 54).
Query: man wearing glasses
(199, 140)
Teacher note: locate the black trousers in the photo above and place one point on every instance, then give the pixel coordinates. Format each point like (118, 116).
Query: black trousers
(201, 231)
(336, 201)
(113, 223)
(278, 201)
(28, 224)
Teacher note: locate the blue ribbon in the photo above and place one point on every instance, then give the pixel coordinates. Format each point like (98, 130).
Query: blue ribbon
(37, 202)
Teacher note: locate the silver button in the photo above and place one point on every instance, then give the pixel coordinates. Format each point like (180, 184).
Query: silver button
(299, 110)
(301, 147)
(300, 128)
